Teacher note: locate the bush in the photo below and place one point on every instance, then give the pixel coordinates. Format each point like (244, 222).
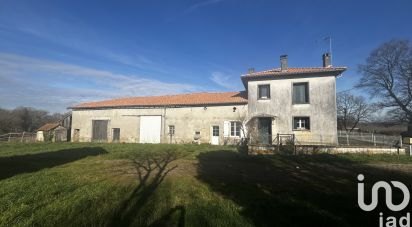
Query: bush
(288, 148)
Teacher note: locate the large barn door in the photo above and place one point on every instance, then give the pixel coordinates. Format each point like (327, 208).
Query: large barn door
(99, 133)
(150, 129)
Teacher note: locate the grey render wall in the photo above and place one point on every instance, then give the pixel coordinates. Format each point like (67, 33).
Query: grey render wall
(321, 109)
(186, 120)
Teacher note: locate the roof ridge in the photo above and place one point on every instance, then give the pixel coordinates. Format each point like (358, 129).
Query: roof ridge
(176, 99)
(292, 70)
(171, 95)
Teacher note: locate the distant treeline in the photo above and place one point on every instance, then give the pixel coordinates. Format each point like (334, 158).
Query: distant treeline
(25, 119)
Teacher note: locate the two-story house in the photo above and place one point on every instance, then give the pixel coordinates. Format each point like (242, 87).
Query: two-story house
(299, 101)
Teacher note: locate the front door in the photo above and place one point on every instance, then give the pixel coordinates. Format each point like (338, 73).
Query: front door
(265, 130)
(215, 135)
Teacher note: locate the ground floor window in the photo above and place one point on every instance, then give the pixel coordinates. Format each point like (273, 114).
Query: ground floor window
(301, 123)
(171, 129)
(215, 130)
(235, 128)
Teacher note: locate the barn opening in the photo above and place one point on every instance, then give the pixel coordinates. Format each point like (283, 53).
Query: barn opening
(99, 133)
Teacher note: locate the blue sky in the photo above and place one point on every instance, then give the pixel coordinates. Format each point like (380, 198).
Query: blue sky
(57, 53)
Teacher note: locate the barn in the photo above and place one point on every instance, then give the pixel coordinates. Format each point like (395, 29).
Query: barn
(186, 118)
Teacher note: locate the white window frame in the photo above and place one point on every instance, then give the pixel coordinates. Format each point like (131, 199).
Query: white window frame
(301, 123)
(213, 130)
(235, 126)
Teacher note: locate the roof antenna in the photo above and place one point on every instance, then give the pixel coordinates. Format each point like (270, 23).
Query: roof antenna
(329, 38)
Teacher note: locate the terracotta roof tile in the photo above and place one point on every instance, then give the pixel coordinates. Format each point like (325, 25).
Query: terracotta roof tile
(48, 127)
(192, 99)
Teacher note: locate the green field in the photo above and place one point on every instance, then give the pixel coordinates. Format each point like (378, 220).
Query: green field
(87, 184)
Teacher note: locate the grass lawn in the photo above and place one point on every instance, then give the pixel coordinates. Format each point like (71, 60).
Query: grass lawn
(86, 184)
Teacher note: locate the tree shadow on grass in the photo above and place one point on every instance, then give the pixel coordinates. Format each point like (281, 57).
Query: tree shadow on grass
(315, 190)
(164, 220)
(151, 170)
(13, 165)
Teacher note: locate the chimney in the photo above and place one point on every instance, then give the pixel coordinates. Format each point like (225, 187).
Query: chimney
(283, 62)
(326, 60)
(251, 70)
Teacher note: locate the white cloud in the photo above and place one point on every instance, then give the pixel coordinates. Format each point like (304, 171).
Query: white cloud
(55, 85)
(202, 4)
(223, 80)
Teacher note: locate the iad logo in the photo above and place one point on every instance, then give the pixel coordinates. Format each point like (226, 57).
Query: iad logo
(390, 220)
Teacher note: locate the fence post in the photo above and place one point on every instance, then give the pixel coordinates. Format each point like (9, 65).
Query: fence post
(400, 141)
(374, 140)
(22, 136)
(9, 137)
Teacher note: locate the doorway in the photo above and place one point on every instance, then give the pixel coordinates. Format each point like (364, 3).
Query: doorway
(150, 129)
(99, 133)
(215, 135)
(265, 130)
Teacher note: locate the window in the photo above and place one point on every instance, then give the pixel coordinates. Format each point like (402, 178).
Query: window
(264, 91)
(171, 129)
(300, 93)
(116, 134)
(235, 128)
(215, 130)
(301, 123)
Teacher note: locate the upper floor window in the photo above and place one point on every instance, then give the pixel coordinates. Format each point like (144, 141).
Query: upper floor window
(300, 93)
(235, 128)
(264, 91)
(301, 123)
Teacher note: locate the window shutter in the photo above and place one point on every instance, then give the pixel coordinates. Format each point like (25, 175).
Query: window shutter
(226, 128)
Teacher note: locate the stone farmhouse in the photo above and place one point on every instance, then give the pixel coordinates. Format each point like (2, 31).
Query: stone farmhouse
(292, 101)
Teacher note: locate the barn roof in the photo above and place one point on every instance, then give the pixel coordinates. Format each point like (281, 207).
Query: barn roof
(48, 127)
(192, 99)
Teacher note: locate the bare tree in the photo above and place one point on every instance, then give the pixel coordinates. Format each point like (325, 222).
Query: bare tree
(25, 119)
(248, 130)
(352, 110)
(387, 75)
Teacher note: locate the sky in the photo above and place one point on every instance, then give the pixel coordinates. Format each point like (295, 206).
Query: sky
(54, 54)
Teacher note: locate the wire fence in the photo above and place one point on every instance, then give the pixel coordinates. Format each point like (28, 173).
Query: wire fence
(368, 139)
(18, 137)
